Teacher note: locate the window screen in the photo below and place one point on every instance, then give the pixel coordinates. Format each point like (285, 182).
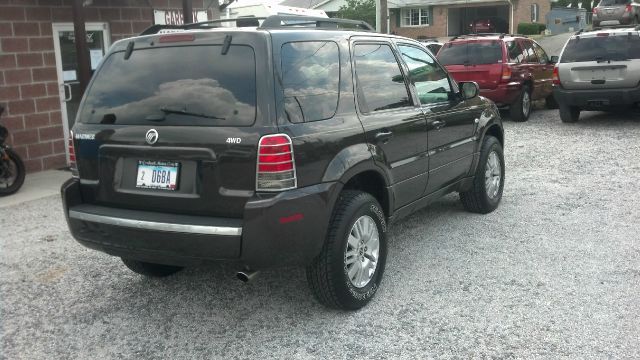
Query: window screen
(380, 83)
(310, 80)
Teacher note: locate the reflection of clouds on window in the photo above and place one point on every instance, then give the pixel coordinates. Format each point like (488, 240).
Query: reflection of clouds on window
(380, 82)
(202, 96)
(310, 79)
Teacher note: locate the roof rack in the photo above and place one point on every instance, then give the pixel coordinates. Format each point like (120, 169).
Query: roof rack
(613, 27)
(271, 22)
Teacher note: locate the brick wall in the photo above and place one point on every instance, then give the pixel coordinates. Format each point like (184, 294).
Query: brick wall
(28, 79)
(436, 29)
(522, 12)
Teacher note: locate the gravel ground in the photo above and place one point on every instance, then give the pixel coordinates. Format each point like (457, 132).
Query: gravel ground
(553, 273)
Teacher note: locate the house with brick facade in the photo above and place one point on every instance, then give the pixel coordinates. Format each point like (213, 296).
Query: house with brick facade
(39, 79)
(440, 18)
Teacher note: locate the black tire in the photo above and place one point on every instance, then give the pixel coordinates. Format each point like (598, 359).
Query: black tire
(151, 269)
(569, 114)
(517, 109)
(18, 167)
(327, 274)
(477, 199)
(550, 102)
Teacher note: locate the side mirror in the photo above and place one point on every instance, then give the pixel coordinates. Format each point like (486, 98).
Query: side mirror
(554, 59)
(469, 89)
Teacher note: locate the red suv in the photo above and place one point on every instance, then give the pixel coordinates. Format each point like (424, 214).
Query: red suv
(511, 70)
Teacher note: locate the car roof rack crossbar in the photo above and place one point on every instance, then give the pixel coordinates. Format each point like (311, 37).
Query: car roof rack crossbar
(271, 22)
(239, 22)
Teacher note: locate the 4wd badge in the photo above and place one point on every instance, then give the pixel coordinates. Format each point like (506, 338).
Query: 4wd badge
(234, 140)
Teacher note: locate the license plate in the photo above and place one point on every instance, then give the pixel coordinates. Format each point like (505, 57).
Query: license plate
(161, 175)
(598, 103)
(609, 11)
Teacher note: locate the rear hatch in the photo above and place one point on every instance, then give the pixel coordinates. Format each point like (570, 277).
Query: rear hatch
(607, 60)
(173, 126)
(474, 60)
(611, 9)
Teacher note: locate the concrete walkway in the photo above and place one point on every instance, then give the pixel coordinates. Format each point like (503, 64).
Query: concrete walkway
(36, 186)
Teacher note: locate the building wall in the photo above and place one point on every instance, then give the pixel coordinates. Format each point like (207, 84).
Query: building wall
(522, 13)
(28, 78)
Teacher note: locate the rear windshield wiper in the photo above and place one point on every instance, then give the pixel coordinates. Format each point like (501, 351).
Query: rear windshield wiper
(167, 110)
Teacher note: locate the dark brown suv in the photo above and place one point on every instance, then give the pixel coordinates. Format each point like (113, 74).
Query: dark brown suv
(293, 142)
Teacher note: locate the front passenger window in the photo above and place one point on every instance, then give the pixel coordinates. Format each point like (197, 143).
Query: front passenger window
(431, 81)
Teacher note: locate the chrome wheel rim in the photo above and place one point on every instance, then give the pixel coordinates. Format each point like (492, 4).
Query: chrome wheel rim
(492, 175)
(526, 103)
(9, 175)
(362, 252)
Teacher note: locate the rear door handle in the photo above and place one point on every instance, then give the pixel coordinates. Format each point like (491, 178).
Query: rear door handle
(438, 124)
(384, 136)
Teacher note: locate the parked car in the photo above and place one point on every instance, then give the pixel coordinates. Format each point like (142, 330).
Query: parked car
(511, 70)
(616, 12)
(182, 156)
(598, 70)
(488, 25)
(432, 44)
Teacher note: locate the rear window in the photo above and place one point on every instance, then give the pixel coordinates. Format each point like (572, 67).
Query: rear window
(614, 2)
(602, 48)
(310, 78)
(471, 53)
(185, 85)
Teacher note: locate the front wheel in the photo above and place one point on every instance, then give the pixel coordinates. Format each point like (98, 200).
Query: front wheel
(150, 269)
(12, 172)
(348, 271)
(486, 191)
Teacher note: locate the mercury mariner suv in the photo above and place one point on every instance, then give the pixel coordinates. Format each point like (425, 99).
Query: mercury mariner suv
(296, 141)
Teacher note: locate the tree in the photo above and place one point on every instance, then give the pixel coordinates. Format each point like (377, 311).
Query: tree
(364, 10)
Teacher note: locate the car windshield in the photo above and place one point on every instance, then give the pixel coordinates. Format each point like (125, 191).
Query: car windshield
(614, 2)
(602, 48)
(181, 85)
(471, 53)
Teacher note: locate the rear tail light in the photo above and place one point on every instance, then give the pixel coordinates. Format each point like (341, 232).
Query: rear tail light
(595, 10)
(628, 9)
(276, 168)
(506, 73)
(556, 76)
(72, 155)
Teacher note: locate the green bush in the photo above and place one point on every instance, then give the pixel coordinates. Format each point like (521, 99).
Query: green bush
(531, 28)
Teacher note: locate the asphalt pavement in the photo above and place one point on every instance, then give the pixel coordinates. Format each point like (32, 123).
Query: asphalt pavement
(554, 272)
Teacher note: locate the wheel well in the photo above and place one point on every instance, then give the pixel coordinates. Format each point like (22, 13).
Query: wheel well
(373, 183)
(494, 130)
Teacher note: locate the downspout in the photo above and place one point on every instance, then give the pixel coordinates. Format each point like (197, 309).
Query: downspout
(512, 9)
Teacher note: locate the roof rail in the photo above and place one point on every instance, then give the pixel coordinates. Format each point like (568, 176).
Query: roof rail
(271, 22)
(286, 21)
(499, 35)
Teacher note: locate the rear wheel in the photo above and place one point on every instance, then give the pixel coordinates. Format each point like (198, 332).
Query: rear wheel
(569, 114)
(550, 102)
(12, 172)
(486, 192)
(348, 271)
(150, 269)
(521, 109)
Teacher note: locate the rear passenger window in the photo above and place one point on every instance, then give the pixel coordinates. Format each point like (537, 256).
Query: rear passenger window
(380, 83)
(515, 52)
(310, 79)
(542, 56)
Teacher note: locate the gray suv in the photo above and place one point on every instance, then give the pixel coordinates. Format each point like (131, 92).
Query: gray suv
(616, 12)
(598, 70)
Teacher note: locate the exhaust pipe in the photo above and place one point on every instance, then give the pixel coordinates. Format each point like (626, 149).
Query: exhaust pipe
(246, 275)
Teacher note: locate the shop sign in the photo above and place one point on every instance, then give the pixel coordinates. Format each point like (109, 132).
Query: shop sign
(174, 17)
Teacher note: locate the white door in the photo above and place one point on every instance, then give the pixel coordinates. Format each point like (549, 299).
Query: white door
(98, 42)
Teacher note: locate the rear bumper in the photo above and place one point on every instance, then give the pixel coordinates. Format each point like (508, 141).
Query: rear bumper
(596, 99)
(503, 94)
(284, 229)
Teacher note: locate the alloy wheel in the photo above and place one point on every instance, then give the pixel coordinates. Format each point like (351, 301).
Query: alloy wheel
(362, 252)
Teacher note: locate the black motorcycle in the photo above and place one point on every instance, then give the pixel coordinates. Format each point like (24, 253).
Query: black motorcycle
(11, 166)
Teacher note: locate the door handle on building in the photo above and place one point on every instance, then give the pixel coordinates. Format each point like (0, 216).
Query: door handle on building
(67, 87)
